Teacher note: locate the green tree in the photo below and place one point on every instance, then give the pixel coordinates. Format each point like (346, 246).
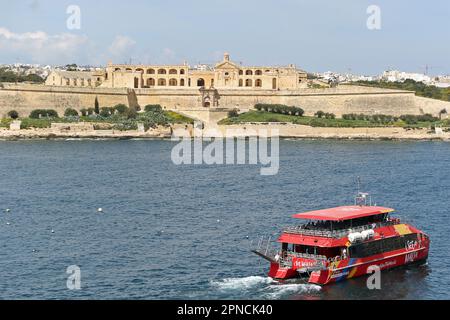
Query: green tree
(13, 114)
(121, 108)
(233, 113)
(96, 106)
(319, 114)
(70, 112)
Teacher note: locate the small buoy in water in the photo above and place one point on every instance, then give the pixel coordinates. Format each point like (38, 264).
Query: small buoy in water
(8, 223)
(53, 231)
(246, 237)
(218, 220)
(100, 210)
(8, 210)
(34, 250)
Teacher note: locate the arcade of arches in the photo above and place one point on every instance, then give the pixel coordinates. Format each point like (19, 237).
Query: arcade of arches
(224, 75)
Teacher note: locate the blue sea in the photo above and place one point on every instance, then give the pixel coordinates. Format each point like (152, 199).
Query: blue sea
(185, 232)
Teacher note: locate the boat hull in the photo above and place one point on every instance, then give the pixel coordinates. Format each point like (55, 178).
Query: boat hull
(352, 268)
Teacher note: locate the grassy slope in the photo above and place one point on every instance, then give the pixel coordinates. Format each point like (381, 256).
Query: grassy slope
(262, 116)
(172, 117)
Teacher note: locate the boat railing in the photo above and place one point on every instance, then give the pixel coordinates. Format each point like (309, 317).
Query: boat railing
(265, 248)
(302, 230)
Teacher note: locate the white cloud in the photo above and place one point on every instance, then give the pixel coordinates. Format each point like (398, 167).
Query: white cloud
(121, 45)
(41, 47)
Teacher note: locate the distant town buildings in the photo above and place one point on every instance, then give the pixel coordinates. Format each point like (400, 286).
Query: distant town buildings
(125, 75)
(442, 81)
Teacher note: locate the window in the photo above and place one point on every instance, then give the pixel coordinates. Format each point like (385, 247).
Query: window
(150, 71)
(150, 82)
(173, 71)
(173, 82)
(200, 82)
(258, 72)
(364, 250)
(241, 72)
(248, 82)
(249, 73)
(241, 82)
(182, 71)
(161, 82)
(182, 82)
(258, 83)
(162, 71)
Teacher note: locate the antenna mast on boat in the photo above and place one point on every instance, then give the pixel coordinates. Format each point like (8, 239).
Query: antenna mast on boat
(362, 198)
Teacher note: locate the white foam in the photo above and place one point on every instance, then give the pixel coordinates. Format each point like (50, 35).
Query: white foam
(246, 283)
(281, 290)
(269, 288)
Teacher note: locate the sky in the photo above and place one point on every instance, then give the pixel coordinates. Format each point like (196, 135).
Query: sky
(316, 36)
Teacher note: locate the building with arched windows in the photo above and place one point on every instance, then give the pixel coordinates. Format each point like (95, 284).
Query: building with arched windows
(224, 75)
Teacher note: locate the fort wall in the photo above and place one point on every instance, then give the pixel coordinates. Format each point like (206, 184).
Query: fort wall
(345, 99)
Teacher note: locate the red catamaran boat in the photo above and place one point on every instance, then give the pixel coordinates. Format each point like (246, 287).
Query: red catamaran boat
(342, 243)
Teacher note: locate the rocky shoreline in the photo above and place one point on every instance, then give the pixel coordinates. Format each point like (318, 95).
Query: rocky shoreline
(284, 133)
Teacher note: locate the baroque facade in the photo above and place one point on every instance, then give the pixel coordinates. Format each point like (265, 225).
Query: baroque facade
(224, 75)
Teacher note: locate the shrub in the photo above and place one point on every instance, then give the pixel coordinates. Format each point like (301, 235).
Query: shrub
(84, 112)
(13, 114)
(43, 113)
(121, 108)
(319, 114)
(91, 111)
(153, 108)
(280, 108)
(70, 113)
(233, 113)
(131, 113)
(330, 116)
(259, 106)
(106, 112)
(299, 111)
(125, 125)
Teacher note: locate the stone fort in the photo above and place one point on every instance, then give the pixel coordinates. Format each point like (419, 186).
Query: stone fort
(206, 92)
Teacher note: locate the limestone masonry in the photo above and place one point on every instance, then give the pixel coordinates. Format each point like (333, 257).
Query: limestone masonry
(206, 93)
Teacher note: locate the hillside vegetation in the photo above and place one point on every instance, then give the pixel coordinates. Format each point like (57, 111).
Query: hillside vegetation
(419, 88)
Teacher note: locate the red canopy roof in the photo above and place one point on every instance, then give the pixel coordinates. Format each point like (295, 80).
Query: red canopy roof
(343, 213)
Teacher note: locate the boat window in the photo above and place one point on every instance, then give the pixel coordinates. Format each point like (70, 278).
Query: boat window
(367, 249)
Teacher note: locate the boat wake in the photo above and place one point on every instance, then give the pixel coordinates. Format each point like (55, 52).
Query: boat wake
(247, 283)
(282, 291)
(262, 287)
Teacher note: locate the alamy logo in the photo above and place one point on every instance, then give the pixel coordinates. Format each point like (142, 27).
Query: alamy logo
(74, 19)
(374, 281)
(74, 279)
(212, 147)
(374, 20)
